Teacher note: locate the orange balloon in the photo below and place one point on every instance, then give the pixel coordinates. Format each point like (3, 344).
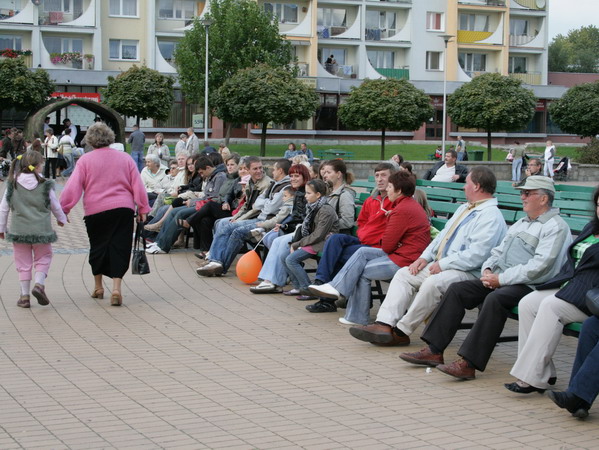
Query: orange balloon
(248, 267)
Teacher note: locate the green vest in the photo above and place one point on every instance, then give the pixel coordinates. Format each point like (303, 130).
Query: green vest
(31, 211)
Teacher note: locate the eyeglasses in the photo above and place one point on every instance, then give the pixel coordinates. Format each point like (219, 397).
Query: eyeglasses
(529, 193)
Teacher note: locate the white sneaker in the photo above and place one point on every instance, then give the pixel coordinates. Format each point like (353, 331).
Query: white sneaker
(155, 250)
(151, 246)
(324, 290)
(344, 321)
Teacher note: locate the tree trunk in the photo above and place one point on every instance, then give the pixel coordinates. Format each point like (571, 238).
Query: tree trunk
(383, 144)
(263, 140)
(137, 121)
(489, 155)
(228, 133)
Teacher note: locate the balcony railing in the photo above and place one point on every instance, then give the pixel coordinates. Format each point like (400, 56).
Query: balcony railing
(398, 74)
(528, 77)
(340, 70)
(520, 39)
(303, 70)
(327, 32)
(57, 17)
(376, 34)
(474, 73)
(27, 59)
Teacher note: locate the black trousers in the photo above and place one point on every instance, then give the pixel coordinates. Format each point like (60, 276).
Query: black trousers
(202, 222)
(482, 338)
(50, 168)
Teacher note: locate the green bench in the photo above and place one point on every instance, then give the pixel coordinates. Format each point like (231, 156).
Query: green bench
(332, 154)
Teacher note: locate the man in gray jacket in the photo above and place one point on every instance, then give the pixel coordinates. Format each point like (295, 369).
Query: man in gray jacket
(532, 252)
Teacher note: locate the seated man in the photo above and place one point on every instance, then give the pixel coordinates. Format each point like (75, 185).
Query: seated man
(456, 254)
(371, 222)
(535, 167)
(532, 252)
(232, 233)
(447, 170)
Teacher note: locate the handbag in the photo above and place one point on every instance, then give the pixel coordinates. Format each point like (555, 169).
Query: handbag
(592, 298)
(60, 149)
(139, 262)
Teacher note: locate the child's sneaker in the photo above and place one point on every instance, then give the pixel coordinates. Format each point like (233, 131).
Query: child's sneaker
(24, 302)
(39, 293)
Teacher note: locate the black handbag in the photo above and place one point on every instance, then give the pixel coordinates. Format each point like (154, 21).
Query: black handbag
(139, 262)
(593, 301)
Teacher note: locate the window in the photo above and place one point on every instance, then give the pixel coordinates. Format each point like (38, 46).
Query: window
(473, 62)
(57, 44)
(474, 22)
(126, 8)
(285, 12)
(381, 59)
(434, 21)
(433, 60)
(176, 9)
(57, 5)
(331, 17)
(518, 27)
(167, 49)
(10, 41)
(339, 54)
(380, 24)
(121, 49)
(517, 64)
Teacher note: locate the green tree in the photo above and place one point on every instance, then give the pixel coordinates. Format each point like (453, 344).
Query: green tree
(23, 89)
(140, 92)
(386, 104)
(576, 52)
(492, 102)
(264, 94)
(576, 112)
(242, 35)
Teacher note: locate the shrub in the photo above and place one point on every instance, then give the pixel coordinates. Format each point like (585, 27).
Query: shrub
(589, 154)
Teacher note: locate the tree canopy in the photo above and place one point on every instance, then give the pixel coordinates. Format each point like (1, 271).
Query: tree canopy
(140, 92)
(264, 94)
(23, 89)
(492, 102)
(577, 111)
(576, 52)
(386, 104)
(242, 35)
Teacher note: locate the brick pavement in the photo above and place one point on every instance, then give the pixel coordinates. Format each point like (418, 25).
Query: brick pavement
(202, 363)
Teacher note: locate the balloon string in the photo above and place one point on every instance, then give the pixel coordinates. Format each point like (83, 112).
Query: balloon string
(260, 241)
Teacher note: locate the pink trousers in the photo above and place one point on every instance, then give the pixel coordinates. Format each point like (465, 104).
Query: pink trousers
(29, 255)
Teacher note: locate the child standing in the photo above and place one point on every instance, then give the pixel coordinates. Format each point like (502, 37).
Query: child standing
(30, 198)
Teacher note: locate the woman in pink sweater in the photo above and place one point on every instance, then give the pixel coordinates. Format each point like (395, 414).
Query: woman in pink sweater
(112, 189)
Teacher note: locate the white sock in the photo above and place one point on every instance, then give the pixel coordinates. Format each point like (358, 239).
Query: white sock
(25, 287)
(40, 278)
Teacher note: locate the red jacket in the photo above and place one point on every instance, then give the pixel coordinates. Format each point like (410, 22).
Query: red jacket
(373, 220)
(407, 233)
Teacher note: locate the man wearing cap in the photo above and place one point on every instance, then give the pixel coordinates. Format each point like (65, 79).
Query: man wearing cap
(532, 252)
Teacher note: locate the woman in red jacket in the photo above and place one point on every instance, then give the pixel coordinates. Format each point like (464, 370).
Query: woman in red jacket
(405, 237)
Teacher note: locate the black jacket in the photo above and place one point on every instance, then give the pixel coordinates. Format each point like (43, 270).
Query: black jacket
(460, 170)
(582, 278)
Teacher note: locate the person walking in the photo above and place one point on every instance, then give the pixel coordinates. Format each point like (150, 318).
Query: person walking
(30, 199)
(137, 140)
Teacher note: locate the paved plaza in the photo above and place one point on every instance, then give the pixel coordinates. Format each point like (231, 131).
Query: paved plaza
(191, 362)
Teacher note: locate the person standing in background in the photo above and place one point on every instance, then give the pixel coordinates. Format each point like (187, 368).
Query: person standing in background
(549, 156)
(137, 140)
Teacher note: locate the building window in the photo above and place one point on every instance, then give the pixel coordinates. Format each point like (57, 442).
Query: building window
(176, 9)
(331, 22)
(57, 5)
(517, 64)
(380, 24)
(285, 12)
(381, 59)
(518, 27)
(57, 44)
(433, 60)
(167, 49)
(434, 21)
(121, 49)
(126, 8)
(474, 22)
(473, 62)
(10, 41)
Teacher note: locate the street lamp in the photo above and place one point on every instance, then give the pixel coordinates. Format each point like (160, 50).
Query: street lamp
(446, 38)
(206, 23)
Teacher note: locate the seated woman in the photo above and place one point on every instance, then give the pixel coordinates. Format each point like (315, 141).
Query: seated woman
(405, 237)
(584, 380)
(321, 221)
(152, 176)
(543, 313)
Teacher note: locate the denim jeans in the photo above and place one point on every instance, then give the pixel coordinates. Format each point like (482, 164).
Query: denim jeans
(70, 159)
(138, 157)
(297, 274)
(337, 250)
(516, 169)
(584, 382)
(353, 280)
(274, 268)
(229, 239)
(170, 229)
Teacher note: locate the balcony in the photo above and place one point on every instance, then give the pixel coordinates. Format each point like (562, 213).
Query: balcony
(340, 70)
(376, 34)
(398, 74)
(528, 77)
(474, 74)
(57, 17)
(521, 39)
(72, 60)
(328, 32)
(24, 55)
(532, 4)
(303, 69)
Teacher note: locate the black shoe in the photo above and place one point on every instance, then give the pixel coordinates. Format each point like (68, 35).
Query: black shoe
(322, 307)
(515, 387)
(575, 405)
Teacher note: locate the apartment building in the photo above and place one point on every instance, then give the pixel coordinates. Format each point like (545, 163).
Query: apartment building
(337, 43)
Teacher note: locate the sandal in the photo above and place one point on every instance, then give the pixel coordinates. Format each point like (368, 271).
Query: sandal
(291, 292)
(322, 306)
(116, 299)
(265, 287)
(183, 223)
(305, 298)
(98, 293)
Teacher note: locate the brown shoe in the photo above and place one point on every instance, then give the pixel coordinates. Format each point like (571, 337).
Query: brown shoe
(458, 369)
(116, 299)
(39, 293)
(423, 357)
(379, 333)
(23, 302)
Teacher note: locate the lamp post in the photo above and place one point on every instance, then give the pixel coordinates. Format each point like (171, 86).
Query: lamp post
(446, 38)
(206, 23)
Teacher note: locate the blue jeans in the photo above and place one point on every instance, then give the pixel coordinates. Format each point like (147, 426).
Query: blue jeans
(70, 159)
(584, 381)
(229, 239)
(353, 280)
(138, 157)
(516, 169)
(274, 268)
(297, 274)
(337, 250)
(170, 229)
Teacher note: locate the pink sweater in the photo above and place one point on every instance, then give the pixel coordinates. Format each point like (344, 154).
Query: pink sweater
(108, 179)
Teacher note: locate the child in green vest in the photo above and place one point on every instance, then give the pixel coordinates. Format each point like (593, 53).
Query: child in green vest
(30, 198)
